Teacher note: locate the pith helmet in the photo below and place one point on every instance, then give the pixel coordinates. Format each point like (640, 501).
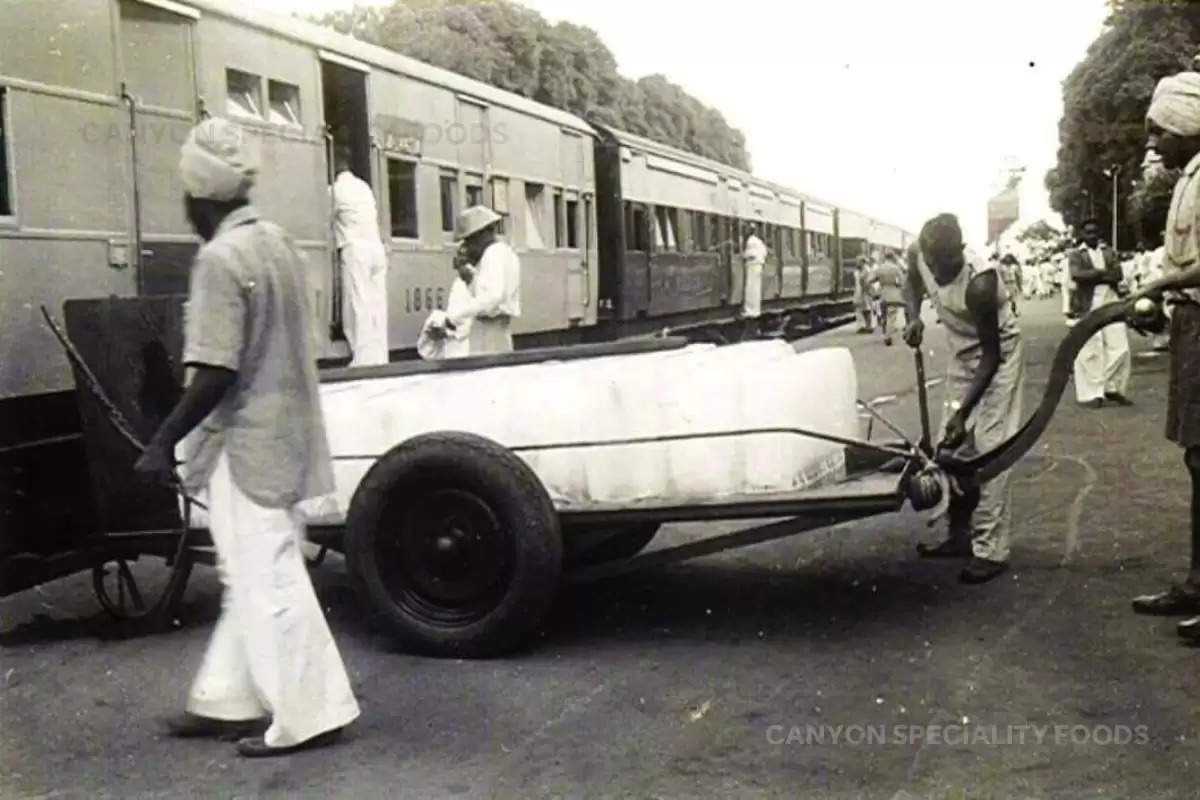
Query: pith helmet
(473, 220)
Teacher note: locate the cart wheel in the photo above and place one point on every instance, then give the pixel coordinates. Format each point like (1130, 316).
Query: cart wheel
(144, 598)
(627, 542)
(453, 541)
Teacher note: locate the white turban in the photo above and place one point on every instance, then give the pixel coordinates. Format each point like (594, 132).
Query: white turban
(1175, 106)
(217, 162)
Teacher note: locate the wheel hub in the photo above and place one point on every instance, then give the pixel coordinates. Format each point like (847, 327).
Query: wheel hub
(449, 556)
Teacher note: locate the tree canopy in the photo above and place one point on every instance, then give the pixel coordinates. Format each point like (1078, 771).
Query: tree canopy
(1104, 107)
(562, 65)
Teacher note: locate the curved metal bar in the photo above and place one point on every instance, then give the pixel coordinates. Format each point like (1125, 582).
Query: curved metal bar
(982, 468)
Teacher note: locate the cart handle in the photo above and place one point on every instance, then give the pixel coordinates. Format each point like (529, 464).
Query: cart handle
(678, 437)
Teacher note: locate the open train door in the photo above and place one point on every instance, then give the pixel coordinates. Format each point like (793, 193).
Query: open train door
(347, 123)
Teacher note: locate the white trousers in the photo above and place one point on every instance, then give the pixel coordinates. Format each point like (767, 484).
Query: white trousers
(364, 302)
(752, 302)
(1104, 362)
(995, 418)
(271, 651)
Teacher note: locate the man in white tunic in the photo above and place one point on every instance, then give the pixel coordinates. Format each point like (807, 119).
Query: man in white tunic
(364, 265)
(754, 254)
(1103, 365)
(436, 340)
(496, 288)
(257, 450)
(984, 383)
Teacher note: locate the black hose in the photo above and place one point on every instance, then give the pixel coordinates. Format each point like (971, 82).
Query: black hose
(982, 468)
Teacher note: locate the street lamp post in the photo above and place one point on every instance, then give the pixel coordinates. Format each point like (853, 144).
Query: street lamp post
(1114, 172)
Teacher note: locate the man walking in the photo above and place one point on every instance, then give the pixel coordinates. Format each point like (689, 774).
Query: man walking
(984, 382)
(862, 295)
(272, 671)
(1103, 365)
(364, 265)
(1173, 125)
(889, 276)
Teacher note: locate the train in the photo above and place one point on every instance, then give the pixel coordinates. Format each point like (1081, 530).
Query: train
(617, 235)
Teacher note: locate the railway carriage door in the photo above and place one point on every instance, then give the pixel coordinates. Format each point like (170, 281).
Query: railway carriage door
(158, 84)
(347, 123)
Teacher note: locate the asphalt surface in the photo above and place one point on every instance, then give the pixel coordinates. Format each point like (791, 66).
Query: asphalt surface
(831, 664)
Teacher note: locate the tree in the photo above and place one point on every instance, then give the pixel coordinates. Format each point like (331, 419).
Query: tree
(1040, 232)
(563, 65)
(1104, 106)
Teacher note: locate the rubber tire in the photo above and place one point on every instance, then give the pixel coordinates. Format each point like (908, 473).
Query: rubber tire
(620, 546)
(513, 492)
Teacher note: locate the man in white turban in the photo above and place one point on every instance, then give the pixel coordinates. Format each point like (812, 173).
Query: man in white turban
(256, 449)
(1173, 128)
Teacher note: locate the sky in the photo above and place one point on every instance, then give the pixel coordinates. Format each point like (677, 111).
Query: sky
(899, 110)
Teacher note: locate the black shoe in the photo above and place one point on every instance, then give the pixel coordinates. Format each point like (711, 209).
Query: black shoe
(257, 747)
(954, 547)
(1189, 629)
(981, 570)
(1175, 601)
(1117, 398)
(887, 340)
(193, 726)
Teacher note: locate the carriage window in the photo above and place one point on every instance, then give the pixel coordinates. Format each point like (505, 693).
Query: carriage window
(558, 219)
(535, 216)
(714, 231)
(5, 198)
(243, 94)
(474, 190)
(573, 223)
(449, 185)
(285, 103)
(665, 226)
(402, 196)
(699, 236)
(500, 195)
(635, 227)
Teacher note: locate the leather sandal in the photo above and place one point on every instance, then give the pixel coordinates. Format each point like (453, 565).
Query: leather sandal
(950, 548)
(1175, 601)
(193, 726)
(257, 747)
(981, 570)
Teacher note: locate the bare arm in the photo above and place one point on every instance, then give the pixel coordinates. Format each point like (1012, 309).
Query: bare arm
(914, 289)
(982, 293)
(208, 386)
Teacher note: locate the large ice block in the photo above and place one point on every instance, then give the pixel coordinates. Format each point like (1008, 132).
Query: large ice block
(697, 389)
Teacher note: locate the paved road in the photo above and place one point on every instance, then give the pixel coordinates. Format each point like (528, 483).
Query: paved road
(771, 671)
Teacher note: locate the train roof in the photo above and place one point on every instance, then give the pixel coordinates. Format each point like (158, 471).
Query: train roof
(657, 148)
(327, 39)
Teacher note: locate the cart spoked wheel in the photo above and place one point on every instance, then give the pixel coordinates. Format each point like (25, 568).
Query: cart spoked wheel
(454, 543)
(137, 591)
(622, 543)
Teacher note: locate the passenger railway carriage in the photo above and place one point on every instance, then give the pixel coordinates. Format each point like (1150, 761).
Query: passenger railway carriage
(617, 234)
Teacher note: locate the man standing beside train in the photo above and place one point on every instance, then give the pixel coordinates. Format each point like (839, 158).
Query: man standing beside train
(364, 265)
(984, 383)
(754, 253)
(496, 287)
(1173, 123)
(256, 446)
(1103, 365)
